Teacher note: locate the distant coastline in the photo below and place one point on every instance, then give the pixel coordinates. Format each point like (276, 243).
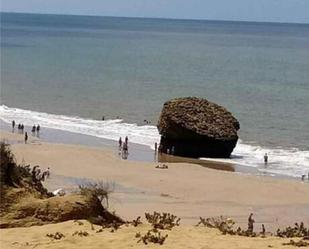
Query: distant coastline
(163, 18)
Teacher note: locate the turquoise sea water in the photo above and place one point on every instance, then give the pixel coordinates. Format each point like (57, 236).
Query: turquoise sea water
(89, 67)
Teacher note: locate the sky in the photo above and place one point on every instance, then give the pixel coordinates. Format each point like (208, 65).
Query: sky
(236, 10)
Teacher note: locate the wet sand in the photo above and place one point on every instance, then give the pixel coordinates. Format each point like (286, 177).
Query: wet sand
(137, 152)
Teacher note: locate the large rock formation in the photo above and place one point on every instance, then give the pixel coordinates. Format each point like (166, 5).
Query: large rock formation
(195, 127)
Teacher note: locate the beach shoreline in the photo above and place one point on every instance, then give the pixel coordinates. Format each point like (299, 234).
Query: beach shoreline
(139, 152)
(185, 189)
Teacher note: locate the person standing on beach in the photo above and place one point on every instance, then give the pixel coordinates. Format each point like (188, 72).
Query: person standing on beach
(265, 159)
(126, 140)
(26, 137)
(263, 230)
(120, 143)
(13, 125)
(125, 151)
(250, 223)
(38, 128)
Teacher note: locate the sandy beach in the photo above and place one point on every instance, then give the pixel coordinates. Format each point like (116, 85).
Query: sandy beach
(187, 190)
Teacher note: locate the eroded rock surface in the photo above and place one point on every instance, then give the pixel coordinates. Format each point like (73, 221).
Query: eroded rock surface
(195, 127)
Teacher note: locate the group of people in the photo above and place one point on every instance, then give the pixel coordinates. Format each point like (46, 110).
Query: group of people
(21, 127)
(36, 129)
(123, 147)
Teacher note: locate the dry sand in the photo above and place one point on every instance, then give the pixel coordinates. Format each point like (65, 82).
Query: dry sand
(184, 237)
(186, 190)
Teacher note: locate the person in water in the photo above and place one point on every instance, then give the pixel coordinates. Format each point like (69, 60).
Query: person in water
(33, 129)
(38, 128)
(13, 125)
(265, 159)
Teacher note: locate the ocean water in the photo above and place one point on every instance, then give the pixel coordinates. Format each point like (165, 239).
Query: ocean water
(66, 72)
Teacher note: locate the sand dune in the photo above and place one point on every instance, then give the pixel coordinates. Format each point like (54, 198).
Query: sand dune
(185, 237)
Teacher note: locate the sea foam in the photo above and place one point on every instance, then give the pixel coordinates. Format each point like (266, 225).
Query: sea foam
(290, 162)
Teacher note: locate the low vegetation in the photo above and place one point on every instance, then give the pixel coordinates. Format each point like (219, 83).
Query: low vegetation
(300, 243)
(152, 236)
(80, 233)
(158, 221)
(56, 236)
(164, 221)
(18, 180)
(136, 222)
(226, 226)
(299, 230)
(100, 190)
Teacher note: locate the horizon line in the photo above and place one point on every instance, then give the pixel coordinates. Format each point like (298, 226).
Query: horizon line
(162, 18)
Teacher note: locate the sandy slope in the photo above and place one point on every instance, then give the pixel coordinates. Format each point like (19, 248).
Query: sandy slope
(185, 237)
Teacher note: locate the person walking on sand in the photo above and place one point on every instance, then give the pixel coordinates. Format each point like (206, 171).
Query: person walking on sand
(13, 125)
(26, 137)
(265, 159)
